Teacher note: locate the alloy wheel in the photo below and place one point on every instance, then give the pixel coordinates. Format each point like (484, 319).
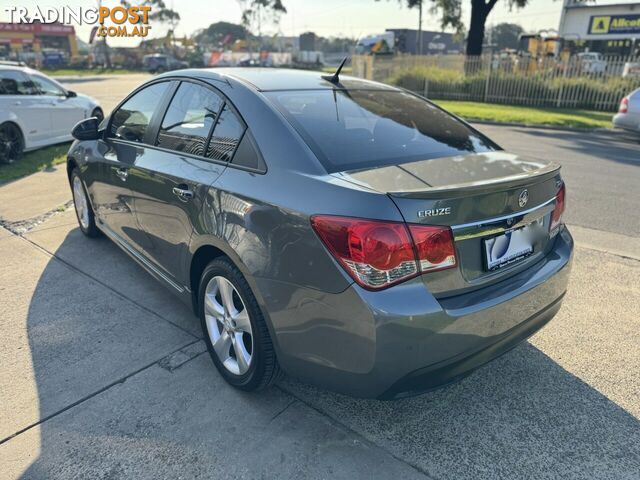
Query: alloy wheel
(80, 202)
(10, 143)
(228, 325)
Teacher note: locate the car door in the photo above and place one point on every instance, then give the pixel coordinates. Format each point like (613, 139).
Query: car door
(20, 97)
(124, 144)
(64, 111)
(170, 181)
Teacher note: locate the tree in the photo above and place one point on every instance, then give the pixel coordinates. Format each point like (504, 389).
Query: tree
(506, 35)
(222, 33)
(252, 15)
(159, 13)
(450, 11)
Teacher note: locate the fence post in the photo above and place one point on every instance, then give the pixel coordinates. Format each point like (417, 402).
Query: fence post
(425, 89)
(486, 82)
(564, 76)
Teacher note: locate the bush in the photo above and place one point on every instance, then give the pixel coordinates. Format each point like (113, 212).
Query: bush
(541, 89)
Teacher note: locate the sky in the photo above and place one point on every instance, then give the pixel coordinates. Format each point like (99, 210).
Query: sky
(352, 18)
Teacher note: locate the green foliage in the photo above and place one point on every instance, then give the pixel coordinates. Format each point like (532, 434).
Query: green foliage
(159, 11)
(216, 33)
(490, 112)
(251, 8)
(506, 35)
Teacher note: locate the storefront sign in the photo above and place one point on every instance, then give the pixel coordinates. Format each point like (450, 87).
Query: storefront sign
(614, 24)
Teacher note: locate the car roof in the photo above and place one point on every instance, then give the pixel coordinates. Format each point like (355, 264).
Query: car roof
(265, 79)
(20, 68)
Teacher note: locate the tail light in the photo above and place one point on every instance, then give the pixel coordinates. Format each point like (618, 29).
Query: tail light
(556, 215)
(377, 254)
(624, 105)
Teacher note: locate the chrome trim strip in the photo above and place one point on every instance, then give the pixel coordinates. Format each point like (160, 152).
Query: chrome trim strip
(137, 256)
(504, 217)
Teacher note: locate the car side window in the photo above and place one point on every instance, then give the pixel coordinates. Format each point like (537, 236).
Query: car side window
(226, 136)
(13, 82)
(47, 87)
(131, 120)
(189, 119)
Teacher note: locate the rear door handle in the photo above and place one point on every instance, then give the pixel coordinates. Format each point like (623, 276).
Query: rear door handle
(122, 173)
(183, 193)
(17, 103)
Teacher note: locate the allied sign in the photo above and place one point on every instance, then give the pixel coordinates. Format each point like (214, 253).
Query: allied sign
(614, 24)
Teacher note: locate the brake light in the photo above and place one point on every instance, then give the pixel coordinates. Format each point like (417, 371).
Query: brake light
(434, 246)
(624, 105)
(556, 215)
(377, 254)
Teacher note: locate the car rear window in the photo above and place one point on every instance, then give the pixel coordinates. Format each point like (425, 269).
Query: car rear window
(359, 129)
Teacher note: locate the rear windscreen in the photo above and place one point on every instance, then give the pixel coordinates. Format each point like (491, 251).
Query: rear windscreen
(359, 129)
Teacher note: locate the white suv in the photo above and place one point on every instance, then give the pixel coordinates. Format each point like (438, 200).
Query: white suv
(36, 111)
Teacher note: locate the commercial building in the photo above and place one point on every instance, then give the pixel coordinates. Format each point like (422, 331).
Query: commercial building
(612, 29)
(406, 41)
(28, 41)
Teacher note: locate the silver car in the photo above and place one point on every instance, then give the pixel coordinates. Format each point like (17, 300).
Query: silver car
(628, 116)
(340, 230)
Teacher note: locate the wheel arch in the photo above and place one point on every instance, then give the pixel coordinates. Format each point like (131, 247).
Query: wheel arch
(14, 121)
(207, 250)
(204, 255)
(71, 165)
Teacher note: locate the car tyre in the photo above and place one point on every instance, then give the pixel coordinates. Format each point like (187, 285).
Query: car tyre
(82, 206)
(234, 328)
(11, 143)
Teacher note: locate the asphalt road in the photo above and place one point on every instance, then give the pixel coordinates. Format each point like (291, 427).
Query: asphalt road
(601, 170)
(103, 373)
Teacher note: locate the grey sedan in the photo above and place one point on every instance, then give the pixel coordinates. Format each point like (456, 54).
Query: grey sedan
(340, 230)
(628, 116)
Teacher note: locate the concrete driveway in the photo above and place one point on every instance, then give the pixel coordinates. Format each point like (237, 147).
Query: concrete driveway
(103, 374)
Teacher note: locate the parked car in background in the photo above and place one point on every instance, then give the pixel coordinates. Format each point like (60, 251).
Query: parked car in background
(351, 233)
(53, 59)
(158, 63)
(36, 111)
(592, 62)
(628, 116)
(631, 69)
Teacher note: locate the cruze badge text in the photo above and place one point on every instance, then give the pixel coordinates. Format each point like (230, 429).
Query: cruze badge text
(434, 212)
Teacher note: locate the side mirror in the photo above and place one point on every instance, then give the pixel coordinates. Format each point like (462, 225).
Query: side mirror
(86, 129)
(71, 94)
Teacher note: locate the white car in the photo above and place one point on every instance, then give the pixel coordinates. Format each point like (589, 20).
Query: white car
(36, 111)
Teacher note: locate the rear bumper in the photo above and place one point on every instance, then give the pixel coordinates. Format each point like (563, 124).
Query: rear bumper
(403, 341)
(627, 122)
(456, 368)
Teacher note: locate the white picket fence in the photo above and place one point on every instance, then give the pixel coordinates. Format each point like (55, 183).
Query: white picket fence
(578, 82)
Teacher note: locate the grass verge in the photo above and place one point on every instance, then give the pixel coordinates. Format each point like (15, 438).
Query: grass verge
(33, 162)
(528, 115)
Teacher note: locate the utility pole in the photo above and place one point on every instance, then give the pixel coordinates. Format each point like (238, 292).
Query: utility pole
(419, 39)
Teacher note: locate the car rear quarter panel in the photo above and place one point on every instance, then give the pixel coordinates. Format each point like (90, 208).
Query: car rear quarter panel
(264, 217)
